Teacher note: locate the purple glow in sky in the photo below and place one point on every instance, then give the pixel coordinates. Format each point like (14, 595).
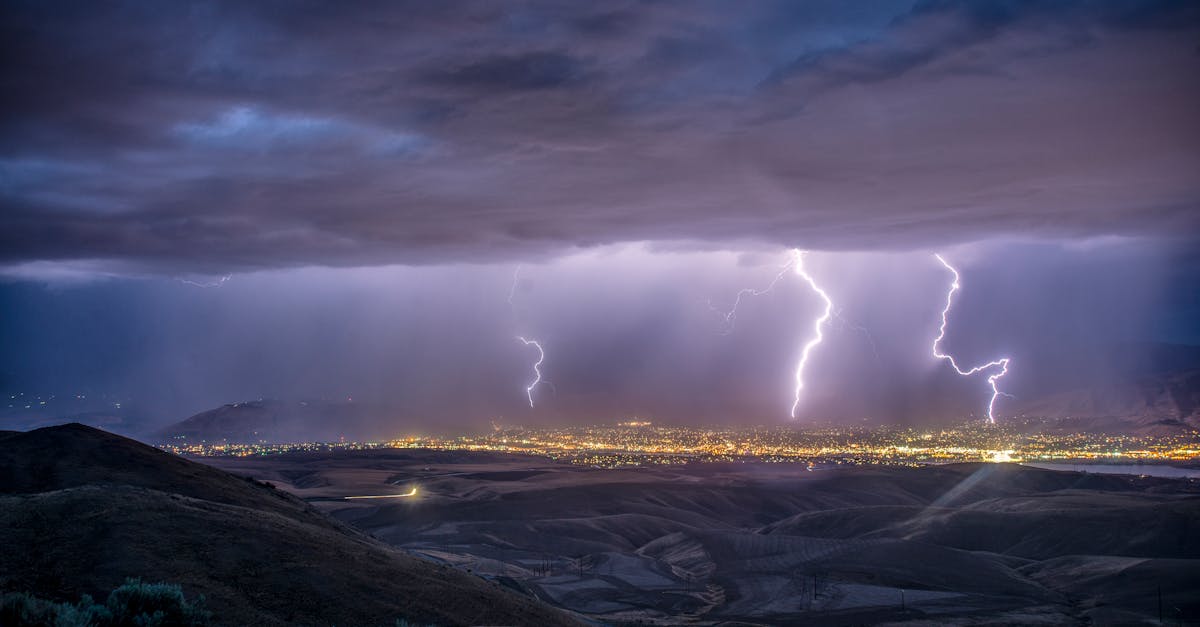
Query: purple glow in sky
(360, 184)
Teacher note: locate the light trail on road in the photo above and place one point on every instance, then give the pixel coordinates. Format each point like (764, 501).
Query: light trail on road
(412, 492)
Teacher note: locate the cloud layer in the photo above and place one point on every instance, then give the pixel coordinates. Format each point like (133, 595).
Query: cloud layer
(217, 137)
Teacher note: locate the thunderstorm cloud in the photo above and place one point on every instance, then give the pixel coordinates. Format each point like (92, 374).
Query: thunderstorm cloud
(217, 137)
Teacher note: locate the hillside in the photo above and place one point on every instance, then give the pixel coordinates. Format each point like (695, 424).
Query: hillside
(754, 544)
(27, 414)
(276, 421)
(89, 509)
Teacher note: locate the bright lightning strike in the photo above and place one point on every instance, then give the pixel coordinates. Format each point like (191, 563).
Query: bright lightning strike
(1002, 362)
(537, 367)
(798, 265)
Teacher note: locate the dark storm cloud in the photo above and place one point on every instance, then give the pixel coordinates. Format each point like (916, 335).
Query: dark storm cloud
(936, 30)
(503, 73)
(213, 137)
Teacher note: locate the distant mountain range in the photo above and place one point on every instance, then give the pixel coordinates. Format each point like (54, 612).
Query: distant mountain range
(1128, 388)
(1147, 404)
(1158, 404)
(278, 420)
(28, 412)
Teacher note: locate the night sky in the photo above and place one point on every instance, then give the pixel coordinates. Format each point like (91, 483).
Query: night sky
(210, 202)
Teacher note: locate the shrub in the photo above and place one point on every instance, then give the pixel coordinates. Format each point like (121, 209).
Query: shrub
(137, 604)
(18, 608)
(133, 604)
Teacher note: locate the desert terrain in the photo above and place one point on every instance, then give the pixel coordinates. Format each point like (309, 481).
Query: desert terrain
(769, 544)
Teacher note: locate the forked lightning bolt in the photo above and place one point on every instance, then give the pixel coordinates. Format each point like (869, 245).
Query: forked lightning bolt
(1002, 362)
(731, 315)
(537, 367)
(798, 265)
(846, 323)
(795, 263)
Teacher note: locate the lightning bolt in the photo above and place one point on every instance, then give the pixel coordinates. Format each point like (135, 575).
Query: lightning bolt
(731, 315)
(818, 324)
(512, 291)
(217, 283)
(537, 367)
(1002, 362)
(846, 323)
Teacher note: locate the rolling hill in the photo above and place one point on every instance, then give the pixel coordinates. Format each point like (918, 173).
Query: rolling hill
(768, 544)
(86, 509)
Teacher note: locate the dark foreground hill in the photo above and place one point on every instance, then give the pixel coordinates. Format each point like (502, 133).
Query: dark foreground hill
(81, 510)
